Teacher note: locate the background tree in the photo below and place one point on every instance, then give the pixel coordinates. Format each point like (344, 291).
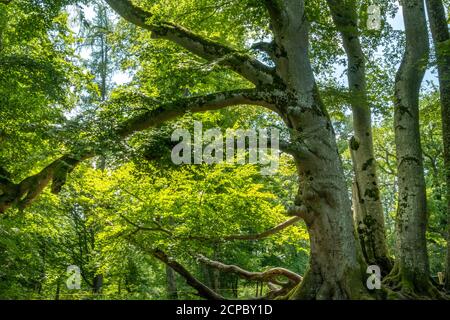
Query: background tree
(441, 37)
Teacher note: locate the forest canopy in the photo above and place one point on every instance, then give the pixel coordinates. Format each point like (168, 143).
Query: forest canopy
(347, 102)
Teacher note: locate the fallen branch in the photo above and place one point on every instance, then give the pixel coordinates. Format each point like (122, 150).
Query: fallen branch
(270, 275)
(202, 289)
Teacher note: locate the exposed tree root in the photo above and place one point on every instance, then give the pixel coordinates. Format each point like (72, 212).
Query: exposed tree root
(398, 286)
(313, 287)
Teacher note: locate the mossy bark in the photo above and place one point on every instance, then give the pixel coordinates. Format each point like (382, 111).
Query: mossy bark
(369, 216)
(411, 276)
(441, 36)
(171, 284)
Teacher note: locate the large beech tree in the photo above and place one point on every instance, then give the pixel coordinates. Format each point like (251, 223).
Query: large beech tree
(288, 87)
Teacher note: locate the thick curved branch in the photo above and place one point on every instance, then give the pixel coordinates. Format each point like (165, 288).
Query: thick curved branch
(202, 290)
(211, 102)
(247, 237)
(248, 67)
(25, 192)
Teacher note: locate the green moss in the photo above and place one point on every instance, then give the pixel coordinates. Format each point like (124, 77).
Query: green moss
(354, 144)
(367, 164)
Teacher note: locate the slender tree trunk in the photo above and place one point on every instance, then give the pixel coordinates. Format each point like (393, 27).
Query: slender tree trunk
(369, 216)
(171, 284)
(98, 284)
(58, 289)
(441, 37)
(202, 290)
(411, 274)
(104, 19)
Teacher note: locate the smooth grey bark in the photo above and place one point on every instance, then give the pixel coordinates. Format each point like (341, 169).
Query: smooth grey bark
(439, 30)
(368, 209)
(411, 273)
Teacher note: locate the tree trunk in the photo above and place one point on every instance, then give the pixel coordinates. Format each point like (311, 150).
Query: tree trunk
(411, 275)
(202, 290)
(337, 265)
(58, 289)
(441, 37)
(172, 293)
(369, 215)
(236, 288)
(98, 284)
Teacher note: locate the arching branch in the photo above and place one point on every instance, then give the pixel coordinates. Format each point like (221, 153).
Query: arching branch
(234, 237)
(243, 64)
(202, 290)
(23, 193)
